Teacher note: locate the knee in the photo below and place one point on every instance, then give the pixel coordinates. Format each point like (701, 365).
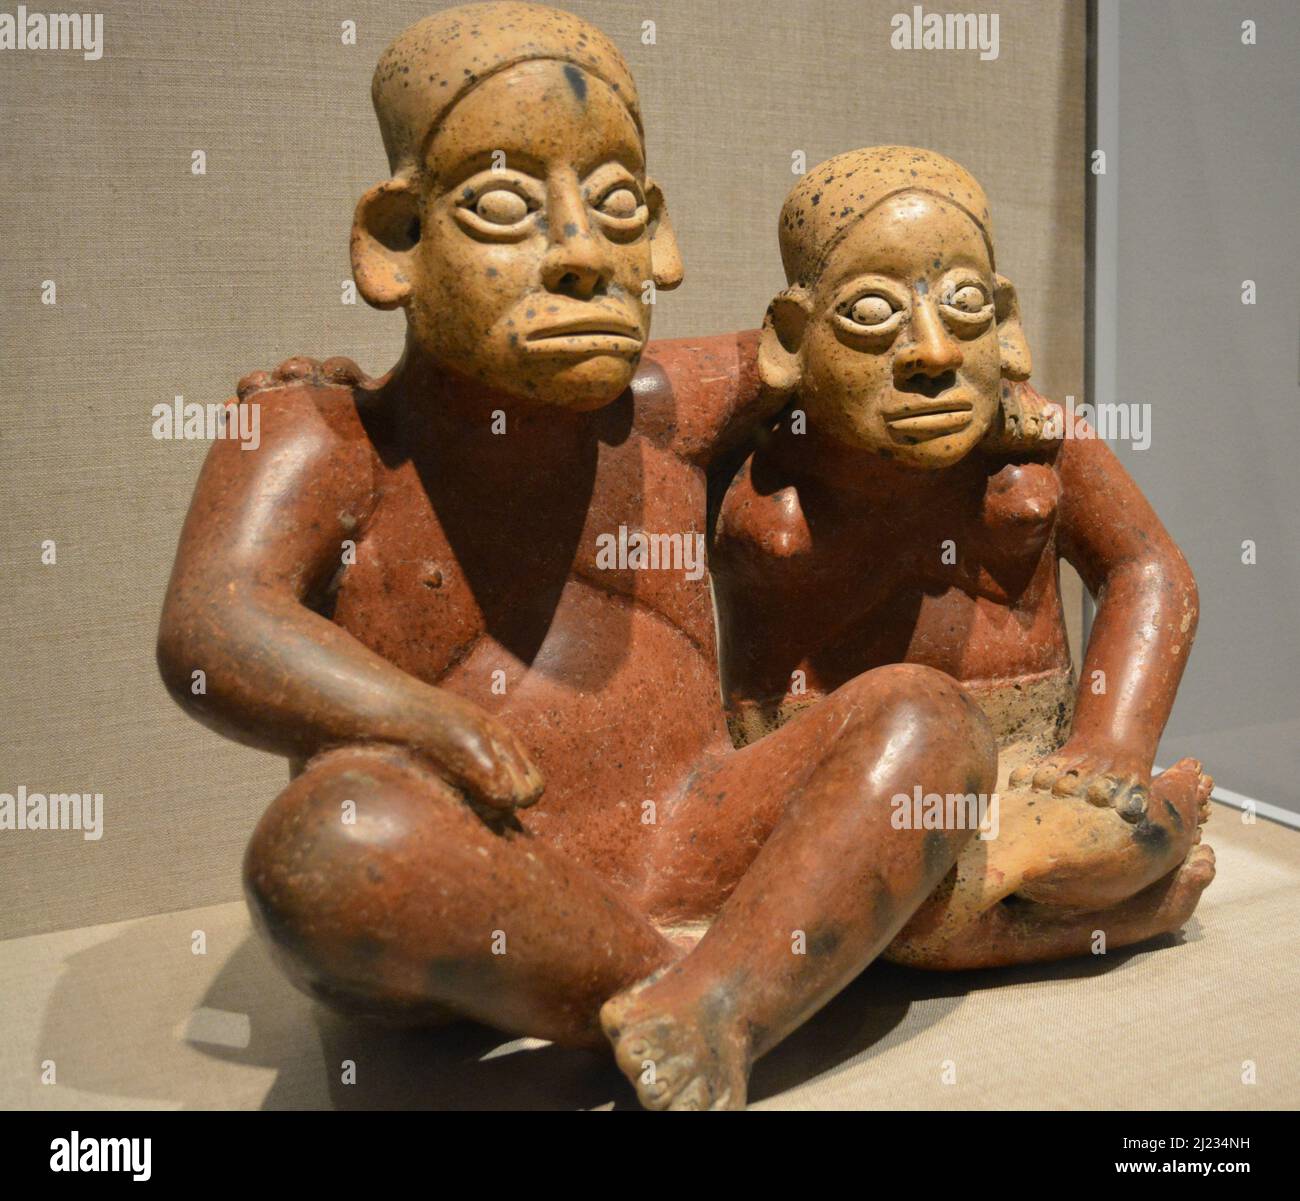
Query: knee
(333, 852)
(346, 804)
(927, 720)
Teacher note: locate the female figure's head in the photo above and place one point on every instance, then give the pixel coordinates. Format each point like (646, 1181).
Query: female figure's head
(895, 330)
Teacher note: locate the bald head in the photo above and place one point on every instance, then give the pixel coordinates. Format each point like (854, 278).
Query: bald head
(838, 193)
(435, 63)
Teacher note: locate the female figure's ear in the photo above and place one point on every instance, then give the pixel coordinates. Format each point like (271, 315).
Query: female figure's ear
(385, 232)
(778, 347)
(665, 256)
(1012, 342)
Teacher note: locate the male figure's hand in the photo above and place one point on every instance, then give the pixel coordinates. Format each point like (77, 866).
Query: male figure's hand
(480, 755)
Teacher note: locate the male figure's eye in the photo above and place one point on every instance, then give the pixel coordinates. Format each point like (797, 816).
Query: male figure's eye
(870, 311)
(501, 206)
(620, 203)
(968, 299)
(496, 206)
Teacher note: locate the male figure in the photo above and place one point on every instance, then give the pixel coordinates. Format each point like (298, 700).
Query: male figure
(911, 506)
(516, 795)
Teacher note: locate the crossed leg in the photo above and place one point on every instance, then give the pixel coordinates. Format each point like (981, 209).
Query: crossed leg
(835, 878)
(381, 892)
(1027, 932)
(1060, 871)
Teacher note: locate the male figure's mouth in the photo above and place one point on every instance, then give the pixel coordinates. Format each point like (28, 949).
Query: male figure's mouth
(598, 333)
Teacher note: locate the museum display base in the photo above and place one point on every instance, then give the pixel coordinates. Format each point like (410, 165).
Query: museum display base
(132, 1018)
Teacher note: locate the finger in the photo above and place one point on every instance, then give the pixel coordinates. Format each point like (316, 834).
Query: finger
(340, 370)
(298, 367)
(253, 382)
(1131, 802)
(1046, 775)
(526, 781)
(491, 782)
(1073, 781)
(1021, 776)
(1102, 790)
(529, 788)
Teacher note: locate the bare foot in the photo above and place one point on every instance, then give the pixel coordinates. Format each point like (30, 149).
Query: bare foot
(676, 1056)
(1031, 933)
(1189, 882)
(1165, 907)
(1103, 861)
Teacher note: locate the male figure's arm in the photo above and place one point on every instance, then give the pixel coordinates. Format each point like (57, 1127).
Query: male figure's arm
(1146, 619)
(264, 534)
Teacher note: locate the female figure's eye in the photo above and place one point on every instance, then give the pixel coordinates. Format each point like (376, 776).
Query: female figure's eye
(968, 299)
(620, 203)
(501, 206)
(870, 310)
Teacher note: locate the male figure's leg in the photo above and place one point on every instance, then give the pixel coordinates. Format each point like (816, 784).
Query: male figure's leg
(417, 905)
(834, 881)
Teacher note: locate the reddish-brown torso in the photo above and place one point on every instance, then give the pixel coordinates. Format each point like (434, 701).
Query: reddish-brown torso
(959, 574)
(490, 575)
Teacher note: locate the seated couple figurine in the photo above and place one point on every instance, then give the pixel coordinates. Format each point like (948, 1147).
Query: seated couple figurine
(468, 601)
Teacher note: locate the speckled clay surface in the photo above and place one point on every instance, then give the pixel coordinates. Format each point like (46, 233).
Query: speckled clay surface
(911, 505)
(515, 793)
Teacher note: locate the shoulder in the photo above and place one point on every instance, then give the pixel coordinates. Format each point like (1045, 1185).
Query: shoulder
(310, 417)
(719, 359)
(303, 393)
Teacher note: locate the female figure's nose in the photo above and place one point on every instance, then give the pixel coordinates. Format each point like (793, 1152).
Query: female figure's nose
(932, 350)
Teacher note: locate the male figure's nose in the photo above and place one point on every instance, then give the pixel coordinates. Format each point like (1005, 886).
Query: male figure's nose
(577, 261)
(932, 350)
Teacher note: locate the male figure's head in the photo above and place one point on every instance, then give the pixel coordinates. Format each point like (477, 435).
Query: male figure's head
(896, 329)
(519, 229)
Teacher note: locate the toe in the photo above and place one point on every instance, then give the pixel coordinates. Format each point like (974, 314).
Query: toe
(1200, 865)
(638, 1058)
(656, 1095)
(661, 1084)
(1204, 791)
(695, 1096)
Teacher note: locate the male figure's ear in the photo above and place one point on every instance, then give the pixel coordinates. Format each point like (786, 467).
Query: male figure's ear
(385, 232)
(1013, 344)
(778, 346)
(665, 257)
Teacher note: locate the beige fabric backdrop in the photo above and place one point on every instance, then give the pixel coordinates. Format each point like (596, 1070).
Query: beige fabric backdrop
(172, 284)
